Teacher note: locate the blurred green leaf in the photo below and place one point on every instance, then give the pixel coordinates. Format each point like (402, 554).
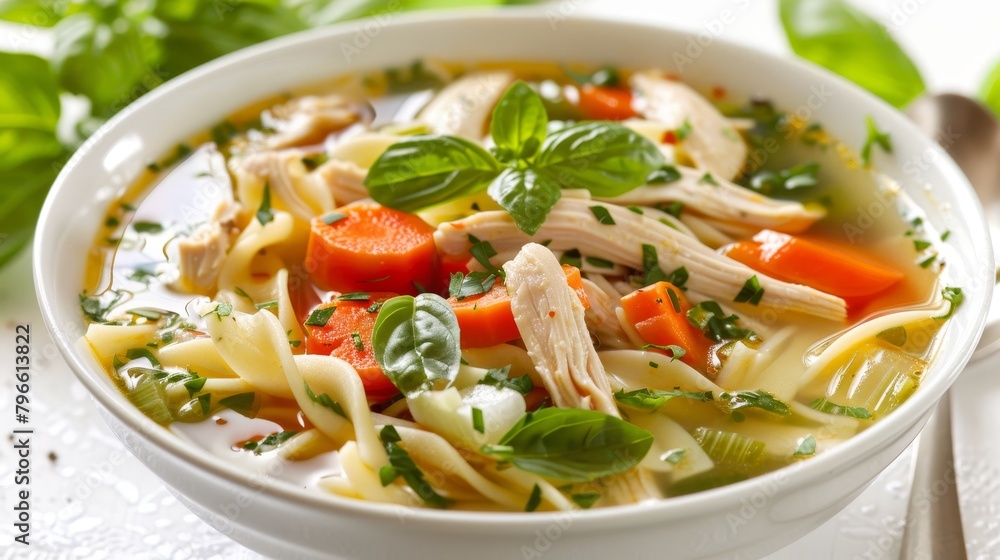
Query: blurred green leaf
(989, 93)
(834, 34)
(30, 12)
(29, 110)
(208, 30)
(24, 192)
(102, 61)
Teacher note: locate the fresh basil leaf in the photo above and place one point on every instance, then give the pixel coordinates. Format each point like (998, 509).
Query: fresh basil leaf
(842, 38)
(519, 123)
(416, 342)
(424, 171)
(100, 60)
(653, 399)
(527, 195)
(989, 92)
(605, 158)
(572, 444)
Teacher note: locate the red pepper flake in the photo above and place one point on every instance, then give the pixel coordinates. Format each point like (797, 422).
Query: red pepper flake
(673, 77)
(552, 313)
(669, 137)
(718, 92)
(221, 421)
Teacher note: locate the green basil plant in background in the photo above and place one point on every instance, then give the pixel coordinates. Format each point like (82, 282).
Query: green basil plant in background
(108, 53)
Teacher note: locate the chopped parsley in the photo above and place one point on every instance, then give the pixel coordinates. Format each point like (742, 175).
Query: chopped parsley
(807, 447)
(602, 215)
(477, 421)
(241, 402)
(320, 317)
(354, 296)
(824, 405)
(264, 213)
(401, 465)
(358, 343)
(673, 456)
(483, 251)
(709, 317)
(500, 378)
(875, 138)
(222, 309)
(535, 499)
(331, 218)
(673, 351)
(147, 227)
(663, 175)
(751, 292)
(954, 296)
(324, 400)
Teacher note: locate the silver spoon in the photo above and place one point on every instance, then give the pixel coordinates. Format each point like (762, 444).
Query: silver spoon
(971, 135)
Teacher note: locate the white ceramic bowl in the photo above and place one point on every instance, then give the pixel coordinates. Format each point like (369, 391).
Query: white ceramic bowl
(744, 520)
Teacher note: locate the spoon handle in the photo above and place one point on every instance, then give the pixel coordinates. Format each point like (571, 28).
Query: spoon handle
(933, 529)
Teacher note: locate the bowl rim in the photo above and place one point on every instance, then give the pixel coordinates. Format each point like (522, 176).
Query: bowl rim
(855, 448)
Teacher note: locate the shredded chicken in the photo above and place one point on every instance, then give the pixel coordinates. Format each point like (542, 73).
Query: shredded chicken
(550, 318)
(464, 106)
(601, 317)
(201, 255)
(344, 179)
(310, 119)
(711, 141)
(725, 202)
(288, 178)
(572, 225)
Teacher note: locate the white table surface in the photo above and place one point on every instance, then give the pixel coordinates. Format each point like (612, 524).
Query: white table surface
(91, 499)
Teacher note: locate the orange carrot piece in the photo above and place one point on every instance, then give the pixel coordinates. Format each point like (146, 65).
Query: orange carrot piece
(372, 248)
(487, 319)
(347, 335)
(658, 321)
(575, 281)
(841, 271)
(605, 103)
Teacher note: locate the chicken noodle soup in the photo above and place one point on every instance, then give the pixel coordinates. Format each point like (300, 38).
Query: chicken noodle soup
(515, 287)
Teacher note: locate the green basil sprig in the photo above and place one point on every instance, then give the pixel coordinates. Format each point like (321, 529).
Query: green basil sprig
(527, 170)
(572, 444)
(842, 38)
(416, 343)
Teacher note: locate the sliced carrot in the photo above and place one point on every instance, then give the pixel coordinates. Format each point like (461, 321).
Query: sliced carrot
(368, 247)
(487, 319)
(347, 334)
(825, 265)
(658, 321)
(605, 103)
(575, 281)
